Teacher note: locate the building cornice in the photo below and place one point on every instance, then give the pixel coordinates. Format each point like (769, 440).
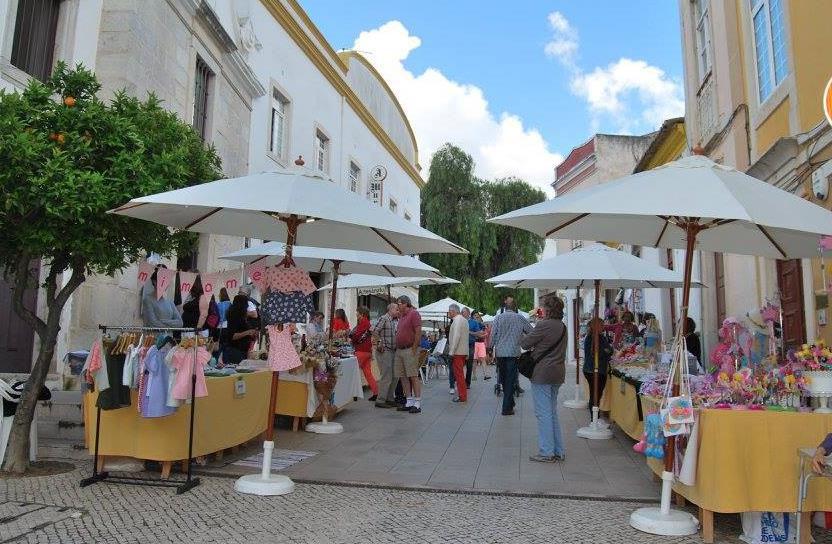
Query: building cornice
(334, 72)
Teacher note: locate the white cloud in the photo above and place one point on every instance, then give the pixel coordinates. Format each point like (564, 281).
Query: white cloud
(443, 110)
(631, 94)
(564, 43)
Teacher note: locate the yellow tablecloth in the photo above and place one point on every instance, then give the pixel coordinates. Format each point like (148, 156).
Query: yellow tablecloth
(748, 461)
(222, 420)
(623, 409)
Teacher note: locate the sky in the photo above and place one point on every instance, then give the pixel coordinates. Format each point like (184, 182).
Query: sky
(517, 84)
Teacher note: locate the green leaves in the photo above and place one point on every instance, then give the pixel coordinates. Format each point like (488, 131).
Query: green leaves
(68, 157)
(456, 205)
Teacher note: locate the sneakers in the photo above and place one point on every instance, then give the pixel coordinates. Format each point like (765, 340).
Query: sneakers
(509, 413)
(542, 458)
(415, 410)
(373, 398)
(457, 399)
(452, 391)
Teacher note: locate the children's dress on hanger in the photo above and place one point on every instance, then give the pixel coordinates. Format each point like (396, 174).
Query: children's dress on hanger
(282, 353)
(183, 360)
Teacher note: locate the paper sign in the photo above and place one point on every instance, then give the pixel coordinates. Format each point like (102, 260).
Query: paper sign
(145, 271)
(230, 279)
(164, 279)
(240, 388)
(210, 284)
(186, 282)
(257, 273)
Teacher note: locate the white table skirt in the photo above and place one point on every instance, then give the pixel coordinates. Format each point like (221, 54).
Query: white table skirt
(346, 389)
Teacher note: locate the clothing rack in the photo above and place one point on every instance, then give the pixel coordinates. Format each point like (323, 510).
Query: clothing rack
(181, 486)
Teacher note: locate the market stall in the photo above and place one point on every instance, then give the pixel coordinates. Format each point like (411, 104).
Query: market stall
(232, 413)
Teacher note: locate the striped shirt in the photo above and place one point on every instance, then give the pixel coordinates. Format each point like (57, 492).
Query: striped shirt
(385, 331)
(506, 331)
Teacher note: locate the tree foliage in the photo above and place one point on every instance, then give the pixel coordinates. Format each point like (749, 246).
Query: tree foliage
(456, 205)
(67, 158)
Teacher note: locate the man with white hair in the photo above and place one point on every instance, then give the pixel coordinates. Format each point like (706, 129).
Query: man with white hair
(384, 338)
(458, 350)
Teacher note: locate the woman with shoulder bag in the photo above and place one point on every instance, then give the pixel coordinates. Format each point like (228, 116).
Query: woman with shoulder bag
(548, 344)
(362, 341)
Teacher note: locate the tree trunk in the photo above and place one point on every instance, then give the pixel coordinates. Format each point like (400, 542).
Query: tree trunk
(17, 451)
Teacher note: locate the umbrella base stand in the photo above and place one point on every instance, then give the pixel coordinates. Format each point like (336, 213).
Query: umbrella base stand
(324, 427)
(265, 483)
(577, 403)
(596, 430)
(663, 520)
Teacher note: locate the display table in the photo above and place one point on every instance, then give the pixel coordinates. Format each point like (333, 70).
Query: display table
(296, 392)
(222, 420)
(625, 405)
(748, 462)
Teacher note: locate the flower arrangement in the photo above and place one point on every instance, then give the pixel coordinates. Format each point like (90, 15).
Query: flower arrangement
(815, 356)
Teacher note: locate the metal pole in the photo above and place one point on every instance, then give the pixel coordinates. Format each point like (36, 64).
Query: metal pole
(336, 268)
(576, 325)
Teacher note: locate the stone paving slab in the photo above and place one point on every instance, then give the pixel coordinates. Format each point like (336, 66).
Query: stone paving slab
(213, 512)
(469, 446)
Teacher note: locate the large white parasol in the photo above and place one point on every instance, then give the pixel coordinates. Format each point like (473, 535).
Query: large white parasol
(297, 208)
(595, 265)
(259, 205)
(322, 259)
(692, 203)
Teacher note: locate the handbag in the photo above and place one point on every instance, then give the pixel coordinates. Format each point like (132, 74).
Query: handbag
(213, 318)
(527, 361)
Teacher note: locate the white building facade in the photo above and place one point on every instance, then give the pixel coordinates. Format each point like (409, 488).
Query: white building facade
(255, 78)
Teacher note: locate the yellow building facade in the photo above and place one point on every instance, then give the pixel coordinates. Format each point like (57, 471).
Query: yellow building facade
(755, 72)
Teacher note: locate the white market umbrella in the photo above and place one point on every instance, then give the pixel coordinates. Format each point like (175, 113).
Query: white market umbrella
(365, 281)
(595, 264)
(322, 259)
(692, 203)
(300, 209)
(261, 205)
(440, 307)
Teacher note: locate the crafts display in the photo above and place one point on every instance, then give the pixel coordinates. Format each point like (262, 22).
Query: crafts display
(816, 359)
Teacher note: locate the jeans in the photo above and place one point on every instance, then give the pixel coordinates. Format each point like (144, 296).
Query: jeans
(451, 378)
(549, 439)
(461, 391)
(508, 371)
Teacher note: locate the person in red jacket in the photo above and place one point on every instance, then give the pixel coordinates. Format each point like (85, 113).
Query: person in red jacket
(340, 323)
(362, 340)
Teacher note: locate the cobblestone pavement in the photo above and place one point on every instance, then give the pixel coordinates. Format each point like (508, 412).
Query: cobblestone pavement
(56, 509)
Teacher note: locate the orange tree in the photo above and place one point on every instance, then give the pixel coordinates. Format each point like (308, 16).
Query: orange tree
(67, 158)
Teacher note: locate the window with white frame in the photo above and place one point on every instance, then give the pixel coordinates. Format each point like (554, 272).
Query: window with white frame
(394, 206)
(280, 125)
(701, 14)
(321, 151)
(355, 177)
(770, 50)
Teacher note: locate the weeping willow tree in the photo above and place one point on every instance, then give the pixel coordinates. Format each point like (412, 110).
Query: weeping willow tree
(456, 205)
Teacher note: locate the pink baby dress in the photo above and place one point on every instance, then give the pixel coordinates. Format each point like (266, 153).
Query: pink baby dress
(282, 354)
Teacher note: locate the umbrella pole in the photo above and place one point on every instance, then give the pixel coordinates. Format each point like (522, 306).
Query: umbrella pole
(266, 483)
(325, 426)
(578, 402)
(663, 520)
(595, 430)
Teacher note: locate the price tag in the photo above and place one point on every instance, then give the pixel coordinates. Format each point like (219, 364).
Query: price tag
(240, 387)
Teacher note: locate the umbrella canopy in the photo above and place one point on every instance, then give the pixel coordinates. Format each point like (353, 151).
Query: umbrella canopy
(440, 307)
(736, 213)
(317, 259)
(363, 281)
(580, 267)
(256, 206)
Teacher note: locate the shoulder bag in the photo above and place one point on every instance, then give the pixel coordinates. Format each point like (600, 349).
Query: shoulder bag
(527, 360)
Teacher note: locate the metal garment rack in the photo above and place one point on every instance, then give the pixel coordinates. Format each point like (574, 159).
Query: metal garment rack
(181, 486)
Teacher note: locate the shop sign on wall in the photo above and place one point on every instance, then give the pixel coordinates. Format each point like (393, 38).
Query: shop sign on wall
(375, 189)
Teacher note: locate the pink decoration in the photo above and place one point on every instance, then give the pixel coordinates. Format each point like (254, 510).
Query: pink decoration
(164, 279)
(257, 273)
(145, 271)
(211, 283)
(186, 282)
(825, 243)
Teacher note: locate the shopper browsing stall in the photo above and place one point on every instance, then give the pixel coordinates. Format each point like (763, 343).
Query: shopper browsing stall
(239, 334)
(361, 338)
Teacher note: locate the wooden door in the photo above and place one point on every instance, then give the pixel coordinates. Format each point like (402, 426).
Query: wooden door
(790, 283)
(16, 337)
